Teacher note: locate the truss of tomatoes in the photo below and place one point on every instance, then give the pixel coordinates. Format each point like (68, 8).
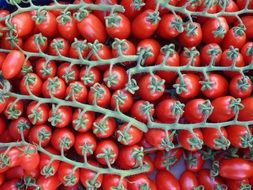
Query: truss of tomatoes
(111, 95)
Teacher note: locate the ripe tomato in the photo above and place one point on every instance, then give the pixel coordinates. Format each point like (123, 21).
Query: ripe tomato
(239, 136)
(241, 4)
(46, 183)
(190, 56)
(118, 26)
(159, 138)
(209, 183)
(216, 86)
(91, 28)
(12, 156)
(142, 110)
(46, 23)
(40, 134)
(19, 128)
(30, 82)
(224, 109)
(99, 95)
(145, 24)
(128, 134)
(214, 30)
(151, 87)
(82, 121)
(193, 161)
(77, 91)
(37, 113)
(235, 37)
(121, 100)
(246, 114)
(188, 86)
(170, 26)
(111, 181)
(78, 46)
(190, 140)
(116, 78)
(30, 158)
(232, 57)
(103, 127)
(54, 86)
(210, 54)
(67, 26)
(89, 179)
(197, 110)
(90, 76)
(132, 8)
(247, 52)
(188, 180)
(35, 43)
(215, 138)
(12, 64)
(62, 139)
(151, 47)
(106, 152)
(240, 184)
(45, 69)
(15, 172)
(235, 169)
(166, 181)
(192, 35)
(59, 47)
(139, 181)
(240, 86)
(14, 108)
(11, 43)
(67, 72)
(67, 174)
(247, 21)
(171, 60)
(85, 144)
(2, 124)
(169, 110)
(166, 160)
(23, 24)
(60, 116)
(231, 6)
(12, 184)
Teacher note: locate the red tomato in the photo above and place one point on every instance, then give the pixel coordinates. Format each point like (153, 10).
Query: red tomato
(141, 109)
(188, 86)
(248, 21)
(12, 156)
(19, 128)
(214, 30)
(240, 184)
(15, 172)
(90, 76)
(224, 109)
(209, 183)
(46, 183)
(170, 26)
(132, 8)
(60, 116)
(59, 47)
(188, 180)
(151, 87)
(23, 24)
(91, 28)
(246, 114)
(35, 43)
(216, 86)
(11, 43)
(85, 144)
(30, 83)
(128, 135)
(247, 52)
(37, 113)
(139, 181)
(121, 100)
(193, 161)
(166, 181)
(192, 35)
(151, 4)
(45, 69)
(46, 23)
(77, 91)
(240, 86)
(111, 181)
(241, 4)
(151, 47)
(118, 26)
(2, 124)
(12, 64)
(210, 54)
(69, 73)
(190, 56)
(55, 87)
(215, 139)
(76, 46)
(103, 127)
(40, 134)
(115, 78)
(29, 158)
(14, 108)
(191, 141)
(235, 169)
(99, 95)
(145, 24)
(82, 121)
(67, 175)
(62, 139)
(239, 136)
(169, 110)
(106, 152)
(11, 184)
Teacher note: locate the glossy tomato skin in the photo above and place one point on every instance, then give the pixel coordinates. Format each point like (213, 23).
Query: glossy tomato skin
(62, 133)
(66, 170)
(63, 48)
(188, 180)
(38, 132)
(46, 183)
(108, 126)
(208, 51)
(131, 11)
(83, 139)
(237, 184)
(63, 114)
(247, 21)
(101, 100)
(42, 109)
(246, 113)
(91, 28)
(138, 113)
(142, 27)
(67, 72)
(238, 135)
(247, 53)
(185, 137)
(235, 37)
(138, 181)
(18, 127)
(32, 82)
(82, 122)
(125, 105)
(78, 91)
(112, 181)
(12, 64)
(236, 169)
(14, 108)
(11, 184)
(90, 76)
(240, 87)
(207, 181)
(58, 92)
(45, 69)
(194, 161)
(31, 45)
(68, 29)
(166, 181)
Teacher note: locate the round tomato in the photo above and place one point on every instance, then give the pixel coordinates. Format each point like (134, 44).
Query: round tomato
(19, 128)
(89, 76)
(62, 139)
(37, 113)
(76, 91)
(192, 35)
(240, 86)
(59, 47)
(142, 110)
(210, 54)
(67, 174)
(122, 100)
(188, 180)
(166, 181)
(45, 69)
(54, 87)
(40, 134)
(139, 181)
(29, 158)
(103, 127)
(35, 43)
(99, 95)
(82, 121)
(60, 116)
(193, 161)
(247, 52)
(246, 113)
(67, 72)
(239, 136)
(111, 181)
(30, 83)
(85, 144)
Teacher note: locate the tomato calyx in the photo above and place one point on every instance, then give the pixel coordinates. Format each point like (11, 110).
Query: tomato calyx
(138, 155)
(156, 85)
(239, 30)
(137, 4)
(108, 155)
(56, 116)
(87, 149)
(4, 161)
(195, 142)
(12, 39)
(145, 108)
(166, 142)
(111, 80)
(205, 108)
(70, 179)
(245, 186)
(101, 126)
(246, 140)
(120, 46)
(190, 29)
(219, 32)
(235, 105)
(181, 86)
(221, 187)
(75, 88)
(249, 51)
(81, 14)
(221, 142)
(112, 20)
(191, 53)
(53, 84)
(98, 92)
(120, 99)
(40, 16)
(200, 187)
(39, 40)
(131, 86)
(79, 46)
(214, 170)
(243, 83)
(143, 53)
(95, 47)
(64, 17)
(206, 84)
(177, 23)
(57, 44)
(12, 111)
(153, 17)
(80, 122)
(177, 109)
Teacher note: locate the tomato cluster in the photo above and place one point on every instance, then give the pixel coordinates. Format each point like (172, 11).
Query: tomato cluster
(111, 95)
